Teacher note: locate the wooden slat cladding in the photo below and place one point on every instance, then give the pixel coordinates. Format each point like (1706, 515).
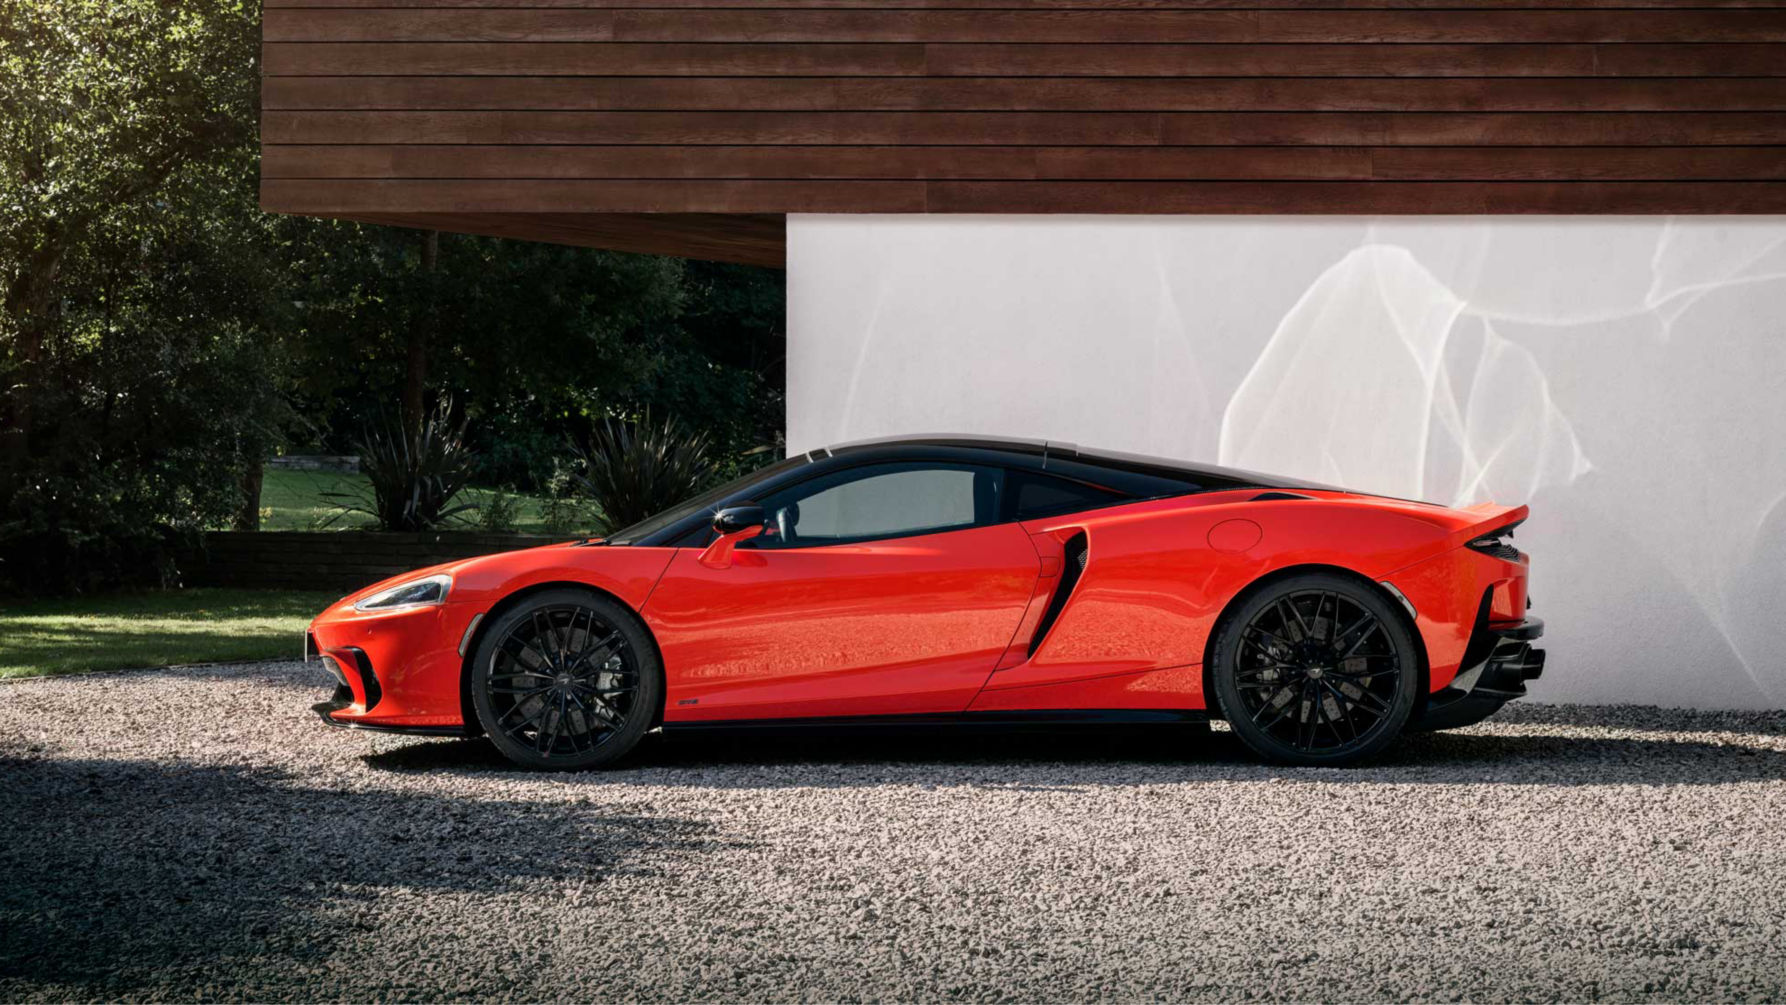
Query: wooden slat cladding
(1709, 94)
(550, 59)
(867, 163)
(362, 199)
(980, 25)
(1366, 129)
(1036, 4)
(648, 124)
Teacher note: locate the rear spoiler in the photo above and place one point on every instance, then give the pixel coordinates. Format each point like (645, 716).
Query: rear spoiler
(1486, 518)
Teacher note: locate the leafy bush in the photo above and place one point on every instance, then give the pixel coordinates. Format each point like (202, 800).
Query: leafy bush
(58, 536)
(499, 512)
(561, 512)
(413, 475)
(516, 446)
(634, 469)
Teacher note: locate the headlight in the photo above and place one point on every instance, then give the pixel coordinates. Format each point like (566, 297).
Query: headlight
(425, 592)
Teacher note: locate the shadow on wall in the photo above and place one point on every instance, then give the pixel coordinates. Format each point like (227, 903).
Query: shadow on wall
(118, 870)
(1625, 376)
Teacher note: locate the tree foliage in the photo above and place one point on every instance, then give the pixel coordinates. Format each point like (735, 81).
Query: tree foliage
(537, 342)
(136, 374)
(160, 337)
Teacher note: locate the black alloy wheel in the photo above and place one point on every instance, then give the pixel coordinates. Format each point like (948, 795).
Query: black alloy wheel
(1317, 669)
(567, 679)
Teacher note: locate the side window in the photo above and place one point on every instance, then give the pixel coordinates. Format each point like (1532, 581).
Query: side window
(881, 501)
(1035, 495)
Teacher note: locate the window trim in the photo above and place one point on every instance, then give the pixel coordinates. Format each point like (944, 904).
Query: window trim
(841, 474)
(1115, 497)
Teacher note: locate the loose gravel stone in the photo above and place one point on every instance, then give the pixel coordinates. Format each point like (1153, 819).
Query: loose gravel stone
(196, 833)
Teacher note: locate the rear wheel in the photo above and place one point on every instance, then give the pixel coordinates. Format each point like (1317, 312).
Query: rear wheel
(1316, 669)
(567, 679)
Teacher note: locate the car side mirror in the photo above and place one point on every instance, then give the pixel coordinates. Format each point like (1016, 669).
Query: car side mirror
(733, 519)
(731, 525)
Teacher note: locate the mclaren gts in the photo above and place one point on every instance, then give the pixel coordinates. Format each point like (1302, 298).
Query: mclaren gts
(960, 581)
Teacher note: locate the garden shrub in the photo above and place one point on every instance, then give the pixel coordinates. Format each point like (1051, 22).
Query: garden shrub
(413, 475)
(634, 469)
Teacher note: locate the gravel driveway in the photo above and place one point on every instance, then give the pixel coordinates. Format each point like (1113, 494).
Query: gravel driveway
(196, 833)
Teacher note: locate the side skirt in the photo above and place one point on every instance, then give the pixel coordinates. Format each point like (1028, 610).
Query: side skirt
(1010, 722)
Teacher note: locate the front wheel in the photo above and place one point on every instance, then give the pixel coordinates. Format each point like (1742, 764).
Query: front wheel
(567, 679)
(1316, 669)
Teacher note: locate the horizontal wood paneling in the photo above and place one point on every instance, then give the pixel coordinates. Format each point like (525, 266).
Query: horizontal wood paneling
(539, 59)
(357, 198)
(652, 124)
(1029, 163)
(651, 195)
(1340, 197)
(1021, 94)
(1044, 4)
(1030, 128)
(1074, 26)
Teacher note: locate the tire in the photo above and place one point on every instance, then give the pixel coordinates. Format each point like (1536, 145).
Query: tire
(567, 679)
(1315, 669)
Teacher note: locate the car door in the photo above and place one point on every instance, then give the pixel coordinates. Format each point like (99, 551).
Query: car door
(889, 588)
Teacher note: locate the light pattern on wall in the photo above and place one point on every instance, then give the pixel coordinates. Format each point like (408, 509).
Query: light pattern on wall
(1627, 377)
(1380, 379)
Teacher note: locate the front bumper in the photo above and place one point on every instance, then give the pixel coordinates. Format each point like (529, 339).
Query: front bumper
(1497, 663)
(397, 672)
(342, 700)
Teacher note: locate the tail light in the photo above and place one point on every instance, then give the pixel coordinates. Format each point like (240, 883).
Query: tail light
(1496, 544)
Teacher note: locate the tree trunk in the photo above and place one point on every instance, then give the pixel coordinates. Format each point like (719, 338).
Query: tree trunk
(248, 517)
(421, 333)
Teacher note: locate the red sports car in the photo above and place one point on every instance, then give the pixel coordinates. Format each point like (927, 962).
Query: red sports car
(960, 581)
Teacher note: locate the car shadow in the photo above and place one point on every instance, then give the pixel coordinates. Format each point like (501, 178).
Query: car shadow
(1152, 744)
(1555, 746)
(1645, 718)
(118, 872)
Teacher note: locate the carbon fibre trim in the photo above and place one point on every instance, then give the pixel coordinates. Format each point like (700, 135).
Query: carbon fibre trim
(1014, 720)
(1072, 567)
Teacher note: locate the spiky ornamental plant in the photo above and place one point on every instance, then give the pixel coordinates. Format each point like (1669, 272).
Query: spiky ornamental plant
(413, 477)
(634, 469)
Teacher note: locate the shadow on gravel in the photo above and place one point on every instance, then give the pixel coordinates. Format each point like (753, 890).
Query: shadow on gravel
(1645, 718)
(116, 871)
(1149, 755)
(1155, 744)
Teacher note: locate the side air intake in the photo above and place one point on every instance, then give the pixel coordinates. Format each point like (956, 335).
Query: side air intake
(1072, 567)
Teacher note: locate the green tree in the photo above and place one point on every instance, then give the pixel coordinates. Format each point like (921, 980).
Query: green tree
(137, 370)
(159, 335)
(102, 102)
(537, 342)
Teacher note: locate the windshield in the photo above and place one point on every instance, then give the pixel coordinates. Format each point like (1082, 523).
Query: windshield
(706, 500)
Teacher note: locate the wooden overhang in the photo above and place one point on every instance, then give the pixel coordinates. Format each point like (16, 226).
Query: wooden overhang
(693, 126)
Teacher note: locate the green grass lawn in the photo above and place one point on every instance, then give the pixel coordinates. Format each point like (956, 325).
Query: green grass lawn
(121, 631)
(295, 500)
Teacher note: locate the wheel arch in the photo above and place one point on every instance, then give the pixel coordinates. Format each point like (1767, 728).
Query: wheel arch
(466, 709)
(1278, 575)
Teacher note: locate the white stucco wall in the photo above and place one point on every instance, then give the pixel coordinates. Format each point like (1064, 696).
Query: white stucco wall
(1627, 377)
